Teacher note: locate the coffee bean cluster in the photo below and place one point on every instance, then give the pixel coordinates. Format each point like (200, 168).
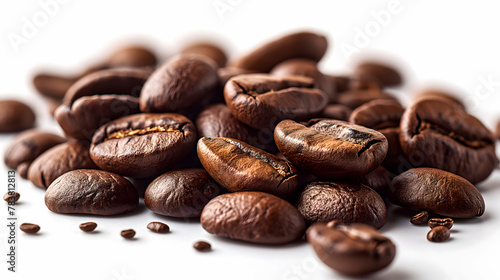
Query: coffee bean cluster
(261, 147)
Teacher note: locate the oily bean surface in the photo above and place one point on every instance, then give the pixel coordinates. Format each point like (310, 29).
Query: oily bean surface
(420, 218)
(88, 226)
(202, 246)
(438, 234)
(158, 227)
(127, 233)
(29, 228)
(446, 222)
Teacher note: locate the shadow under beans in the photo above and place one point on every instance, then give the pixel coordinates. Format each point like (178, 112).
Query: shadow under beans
(140, 209)
(394, 215)
(477, 220)
(389, 274)
(294, 244)
(194, 220)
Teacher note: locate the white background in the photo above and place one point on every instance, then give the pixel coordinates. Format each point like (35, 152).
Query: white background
(451, 43)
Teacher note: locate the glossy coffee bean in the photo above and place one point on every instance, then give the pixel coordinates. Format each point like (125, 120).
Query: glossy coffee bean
(90, 191)
(53, 86)
(29, 228)
(58, 160)
(438, 234)
(357, 97)
(439, 94)
(261, 101)
(211, 50)
(379, 180)
(238, 166)
(349, 202)
(337, 112)
(383, 74)
(436, 191)
(296, 45)
(15, 116)
(181, 193)
(158, 227)
(179, 83)
(420, 218)
(354, 250)
(497, 131)
(202, 246)
(255, 217)
(446, 222)
(331, 148)
(11, 196)
(143, 145)
(127, 233)
(88, 226)
(435, 133)
(134, 56)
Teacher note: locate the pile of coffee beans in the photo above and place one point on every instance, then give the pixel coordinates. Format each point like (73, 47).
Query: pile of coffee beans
(263, 148)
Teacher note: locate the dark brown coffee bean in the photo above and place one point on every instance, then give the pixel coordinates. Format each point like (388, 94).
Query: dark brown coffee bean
(342, 83)
(53, 104)
(53, 86)
(436, 191)
(379, 180)
(227, 73)
(238, 166)
(158, 227)
(348, 202)
(29, 228)
(420, 218)
(254, 217)
(181, 193)
(297, 45)
(357, 97)
(11, 196)
(261, 101)
(15, 116)
(211, 50)
(446, 96)
(438, 234)
(331, 148)
(132, 56)
(381, 73)
(141, 184)
(127, 233)
(58, 160)
(354, 250)
(88, 226)
(202, 246)
(497, 131)
(446, 222)
(179, 83)
(22, 169)
(89, 191)
(337, 112)
(27, 146)
(435, 133)
(143, 145)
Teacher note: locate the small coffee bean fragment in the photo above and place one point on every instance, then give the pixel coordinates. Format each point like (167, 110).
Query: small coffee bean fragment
(202, 246)
(446, 222)
(158, 227)
(88, 226)
(128, 233)
(11, 196)
(420, 218)
(29, 228)
(438, 234)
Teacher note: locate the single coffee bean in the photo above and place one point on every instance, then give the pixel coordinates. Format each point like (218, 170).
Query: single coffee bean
(53, 86)
(15, 116)
(436, 191)
(89, 191)
(381, 73)
(379, 180)
(438, 234)
(27, 146)
(158, 227)
(88, 226)
(11, 196)
(29, 228)
(202, 246)
(211, 50)
(133, 56)
(261, 101)
(331, 148)
(443, 95)
(127, 233)
(296, 45)
(435, 133)
(238, 166)
(179, 83)
(255, 217)
(353, 250)
(349, 202)
(58, 160)
(143, 145)
(420, 218)
(446, 222)
(357, 97)
(337, 112)
(181, 193)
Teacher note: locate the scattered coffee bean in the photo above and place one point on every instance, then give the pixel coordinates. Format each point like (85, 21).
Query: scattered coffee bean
(202, 246)
(383, 74)
(127, 233)
(211, 50)
(29, 228)
(15, 116)
(420, 218)
(158, 227)
(88, 226)
(446, 222)
(11, 196)
(438, 234)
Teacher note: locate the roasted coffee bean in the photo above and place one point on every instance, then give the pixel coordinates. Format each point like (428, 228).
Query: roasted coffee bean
(297, 45)
(435, 133)
(141, 184)
(211, 50)
(337, 112)
(497, 131)
(438, 234)
(15, 116)
(132, 56)
(158, 227)
(58, 160)
(127, 233)
(354, 250)
(331, 148)
(53, 86)
(383, 74)
(29, 228)
(181, 193)
(261, 101)
(254, 217)
(436, 191)
(349, 202)
(202, 246)
(27, 146)
(420, 218)
(238, 166)
(446, 96)
(88, 226)
(342, 83)
(22, 169)
(179, 83)
(379, 180)
(89, 191)
(52, 105)
(11, 196)
(143, 145)
(357, 97)
(446, 222)
(227, 73)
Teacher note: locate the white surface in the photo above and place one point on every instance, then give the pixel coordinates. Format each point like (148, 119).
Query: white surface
(447, 41)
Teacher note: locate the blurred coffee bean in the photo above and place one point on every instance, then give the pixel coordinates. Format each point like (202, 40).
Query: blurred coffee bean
(337, 112)
(211, 50)
(381, 73)
(133, 56)
(15, 116)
